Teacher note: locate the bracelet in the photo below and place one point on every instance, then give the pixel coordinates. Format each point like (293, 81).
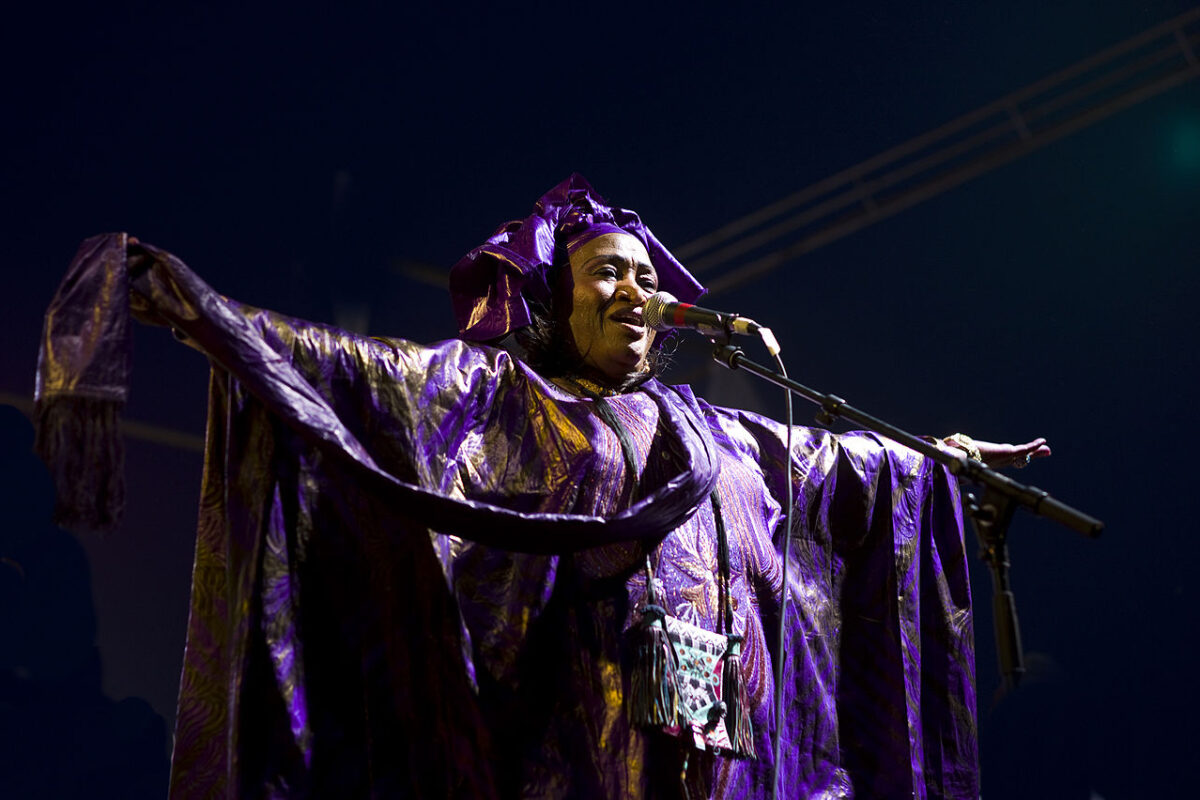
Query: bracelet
(966, 444)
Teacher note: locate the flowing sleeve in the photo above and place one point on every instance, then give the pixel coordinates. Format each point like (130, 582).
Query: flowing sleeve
(879, 678)
(324, 653)
(331, 389)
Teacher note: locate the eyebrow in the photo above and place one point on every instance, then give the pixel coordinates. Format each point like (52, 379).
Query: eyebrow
(608, 258)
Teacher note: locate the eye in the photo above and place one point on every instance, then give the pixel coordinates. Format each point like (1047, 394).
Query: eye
(606, 271)
(648, 283)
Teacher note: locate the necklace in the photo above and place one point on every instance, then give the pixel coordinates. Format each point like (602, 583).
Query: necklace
(585, 387)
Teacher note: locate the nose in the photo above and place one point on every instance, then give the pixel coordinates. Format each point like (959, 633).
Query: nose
(633, 291)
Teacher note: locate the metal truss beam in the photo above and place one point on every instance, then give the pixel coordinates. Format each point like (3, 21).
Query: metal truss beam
(928, 165)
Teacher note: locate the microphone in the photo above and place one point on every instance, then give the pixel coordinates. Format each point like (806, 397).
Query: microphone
(663, 312)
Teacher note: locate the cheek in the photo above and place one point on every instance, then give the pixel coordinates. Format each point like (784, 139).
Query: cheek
(587, 308)
(588, 299)
(582, 322)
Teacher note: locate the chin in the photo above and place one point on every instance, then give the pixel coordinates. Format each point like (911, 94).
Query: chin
(620, 366)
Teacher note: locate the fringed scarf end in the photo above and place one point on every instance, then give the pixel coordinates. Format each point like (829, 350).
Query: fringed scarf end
(79, 439)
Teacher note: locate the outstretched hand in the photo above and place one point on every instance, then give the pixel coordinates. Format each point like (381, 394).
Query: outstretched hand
(1012, 455)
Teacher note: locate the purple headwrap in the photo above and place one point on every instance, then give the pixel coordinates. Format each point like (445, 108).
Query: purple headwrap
(490, 284)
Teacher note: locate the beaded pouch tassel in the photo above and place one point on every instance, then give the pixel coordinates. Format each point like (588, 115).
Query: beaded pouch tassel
(686, 681)
(737, 714)
(653, 690)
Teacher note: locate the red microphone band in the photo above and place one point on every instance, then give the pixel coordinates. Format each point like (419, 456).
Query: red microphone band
(677, 318)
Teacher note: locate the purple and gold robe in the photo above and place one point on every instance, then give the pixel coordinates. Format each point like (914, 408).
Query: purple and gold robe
(416, 568)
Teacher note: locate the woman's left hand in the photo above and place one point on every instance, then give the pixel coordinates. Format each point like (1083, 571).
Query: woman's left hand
(1012, 455)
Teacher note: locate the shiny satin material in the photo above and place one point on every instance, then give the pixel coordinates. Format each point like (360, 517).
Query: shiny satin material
(357, 630)
(580, 238)
(879, 688)
(489, 286)
(86, 341)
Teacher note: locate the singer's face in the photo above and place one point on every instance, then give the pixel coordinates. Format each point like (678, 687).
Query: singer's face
(611, 280)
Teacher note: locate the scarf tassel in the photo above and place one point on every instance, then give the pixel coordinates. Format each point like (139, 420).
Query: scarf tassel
(78, 438)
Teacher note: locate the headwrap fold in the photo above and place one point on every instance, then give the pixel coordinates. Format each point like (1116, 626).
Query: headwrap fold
(490, 286)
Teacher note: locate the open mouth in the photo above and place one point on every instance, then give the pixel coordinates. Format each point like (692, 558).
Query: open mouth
(629, 316)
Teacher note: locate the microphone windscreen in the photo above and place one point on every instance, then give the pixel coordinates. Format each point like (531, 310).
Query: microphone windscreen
(655, 309)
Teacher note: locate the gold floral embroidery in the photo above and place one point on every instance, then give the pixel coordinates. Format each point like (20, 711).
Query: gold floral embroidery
(697, 560)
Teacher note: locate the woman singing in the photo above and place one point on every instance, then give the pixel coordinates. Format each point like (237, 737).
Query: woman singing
(449, 569)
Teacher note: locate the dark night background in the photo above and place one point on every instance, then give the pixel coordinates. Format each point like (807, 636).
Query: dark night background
(298, 159)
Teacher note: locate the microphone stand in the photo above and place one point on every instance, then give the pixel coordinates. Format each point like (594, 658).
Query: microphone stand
(990, 516)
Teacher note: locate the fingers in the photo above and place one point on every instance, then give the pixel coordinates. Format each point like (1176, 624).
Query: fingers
(1013, 455)
(998, 456)
(1035, 449)
(1029, 451)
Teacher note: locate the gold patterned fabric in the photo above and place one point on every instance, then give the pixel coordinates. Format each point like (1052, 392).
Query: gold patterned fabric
(416, 567)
